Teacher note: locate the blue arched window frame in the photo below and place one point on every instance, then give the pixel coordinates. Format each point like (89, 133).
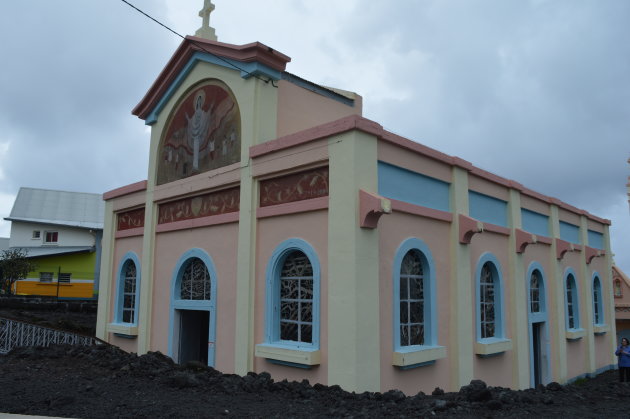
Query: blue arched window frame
(541, 315)
(497, 277)
(177, 303)
(570, 281)
(272, 309)
(599, 318)
(129, 257)
(429, 290)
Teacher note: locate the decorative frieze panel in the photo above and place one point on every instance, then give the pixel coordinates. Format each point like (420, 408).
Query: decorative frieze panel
(294, 187)
(130, 219)
(215, 203)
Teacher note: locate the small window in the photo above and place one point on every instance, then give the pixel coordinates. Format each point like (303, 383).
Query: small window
(51, 237)
(36, 234)
(296, 299)
(487, 302)
(572, 303)
(598, 309)
(45, 277)
(64, 278)
(534, 292)
(129, 293)
(411, 300)
(617, 286)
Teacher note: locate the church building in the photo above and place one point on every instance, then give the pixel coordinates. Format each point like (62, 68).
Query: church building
(279, 230)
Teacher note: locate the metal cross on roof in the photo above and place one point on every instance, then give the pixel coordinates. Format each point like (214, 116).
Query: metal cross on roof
(206, 31)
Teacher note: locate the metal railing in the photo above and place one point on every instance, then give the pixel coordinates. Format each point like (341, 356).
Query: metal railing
(14, 333)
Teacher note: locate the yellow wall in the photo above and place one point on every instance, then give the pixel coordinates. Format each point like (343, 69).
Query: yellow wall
(79, 265)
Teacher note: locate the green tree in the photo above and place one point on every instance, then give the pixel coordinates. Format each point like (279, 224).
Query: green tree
(14, 265)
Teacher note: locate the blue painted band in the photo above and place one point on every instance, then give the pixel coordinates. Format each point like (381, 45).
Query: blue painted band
(487, 209)
(570, 232)
(534, 222)
(251, 69)
(595, 239)
(404, 185)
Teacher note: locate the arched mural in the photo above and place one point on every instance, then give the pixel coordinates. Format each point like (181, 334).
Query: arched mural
(204, 133)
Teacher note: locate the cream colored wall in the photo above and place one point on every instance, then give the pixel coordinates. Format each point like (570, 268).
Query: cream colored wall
(220, 242)
(495, 370)
(299, 108)
(122, 246)
(535, 205)
(540, 253)
(484, 186)
(576, 354)
(400, 157)
(271, 233)
(394, 229)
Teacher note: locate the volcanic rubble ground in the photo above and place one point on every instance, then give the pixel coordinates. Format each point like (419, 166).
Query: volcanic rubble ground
(106, 382)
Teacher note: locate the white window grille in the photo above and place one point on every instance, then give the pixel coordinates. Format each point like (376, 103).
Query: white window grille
(195, 284)
(296, 298)
(487, 302)
(534, 292)
(129, 293)
(36, 234)
(411, 300)
(571, 320)
(45, 277)
(64, 278)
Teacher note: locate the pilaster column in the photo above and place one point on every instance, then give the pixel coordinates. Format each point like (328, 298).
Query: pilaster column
(518, 298)
(107, 260)
(586, 284)
(557, 306)
(462, 326)
(353, 266)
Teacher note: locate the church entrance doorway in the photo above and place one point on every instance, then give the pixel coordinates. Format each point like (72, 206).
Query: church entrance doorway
(193, 336)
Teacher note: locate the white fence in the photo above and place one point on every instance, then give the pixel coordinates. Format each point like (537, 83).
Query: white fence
(14, 333)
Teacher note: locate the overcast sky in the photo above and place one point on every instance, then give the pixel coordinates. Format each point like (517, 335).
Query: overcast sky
(536, 91)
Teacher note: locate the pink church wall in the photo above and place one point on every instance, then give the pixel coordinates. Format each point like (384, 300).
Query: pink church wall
(393, 230)
(603, 345)
(496, 370)
(220, 242)
(271, 232)
(486, 187)
(540, 253)
(299, 108)
(393, 154)
(576, 349)
(129, 244)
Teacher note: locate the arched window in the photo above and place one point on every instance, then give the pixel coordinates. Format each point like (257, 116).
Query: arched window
(617, 286)
(296, 298)
(489, 313)
(128, 290)
(412, 299)
(571, 302)
(293, 296)
(598, 303)
(535, 284)
(195, 282)
(487, 302)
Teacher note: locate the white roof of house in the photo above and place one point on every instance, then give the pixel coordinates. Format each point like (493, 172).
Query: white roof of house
(34, 252)
(75, 209)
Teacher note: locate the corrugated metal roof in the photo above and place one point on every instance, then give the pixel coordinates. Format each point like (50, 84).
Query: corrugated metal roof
(34, 252)
(77, 209)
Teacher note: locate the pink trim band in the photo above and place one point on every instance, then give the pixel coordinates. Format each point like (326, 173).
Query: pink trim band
(231, 217)
(125, 190)
(132, 232)
(293, 207)
(413, 209)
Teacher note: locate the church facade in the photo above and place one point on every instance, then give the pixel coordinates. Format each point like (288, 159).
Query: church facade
(278, 230)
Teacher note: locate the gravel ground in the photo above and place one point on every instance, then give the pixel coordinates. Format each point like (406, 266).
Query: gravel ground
(105, 382)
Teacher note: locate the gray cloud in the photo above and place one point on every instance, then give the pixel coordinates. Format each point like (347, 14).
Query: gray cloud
(536, 91)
